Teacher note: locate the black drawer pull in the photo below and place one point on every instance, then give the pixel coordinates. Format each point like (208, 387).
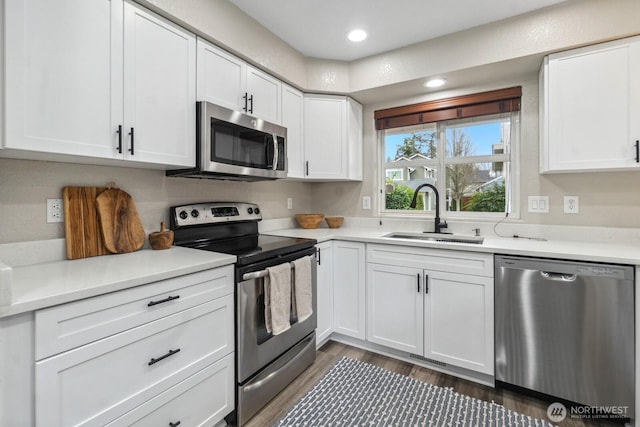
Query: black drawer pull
(171, 353)
(176, 424)
(638, 151)
(167, 299)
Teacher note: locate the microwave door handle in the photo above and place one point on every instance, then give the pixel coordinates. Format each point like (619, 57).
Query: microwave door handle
(275, 152)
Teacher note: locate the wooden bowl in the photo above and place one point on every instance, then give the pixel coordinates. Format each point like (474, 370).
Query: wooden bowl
(309, 220)
(162, 239)
(334, 221)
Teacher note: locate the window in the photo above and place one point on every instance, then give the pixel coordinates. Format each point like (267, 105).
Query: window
(468, 160)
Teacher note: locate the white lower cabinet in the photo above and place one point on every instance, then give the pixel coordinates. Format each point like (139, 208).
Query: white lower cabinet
(176, 367)
(431, 312)
(395, 307)
(201, 399)
(324, 292)
(349, 289)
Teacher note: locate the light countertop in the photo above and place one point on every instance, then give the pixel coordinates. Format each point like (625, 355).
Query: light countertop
(559, 249)
(56, 282)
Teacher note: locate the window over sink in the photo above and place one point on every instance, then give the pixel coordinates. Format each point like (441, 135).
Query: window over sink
(465, 147)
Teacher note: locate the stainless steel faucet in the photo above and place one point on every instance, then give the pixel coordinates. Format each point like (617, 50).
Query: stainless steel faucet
(437, 226)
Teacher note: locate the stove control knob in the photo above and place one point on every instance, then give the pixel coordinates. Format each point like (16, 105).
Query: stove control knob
(183, 214)
(250, 211)
(256, 211)
(195, 213)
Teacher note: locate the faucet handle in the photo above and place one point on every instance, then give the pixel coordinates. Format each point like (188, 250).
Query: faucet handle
(444, 224)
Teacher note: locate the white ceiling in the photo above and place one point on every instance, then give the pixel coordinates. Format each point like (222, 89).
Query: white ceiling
(318, 28)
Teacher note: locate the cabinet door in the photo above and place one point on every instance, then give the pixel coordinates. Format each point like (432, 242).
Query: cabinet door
(349, 289)
(395, 307)
(325, 292)
(292, 115)
(63, 91)
(354, 139)
(459, 320)
(221, 77)
(160, 90)
(325, 137)
(264, 95)
(596, 85)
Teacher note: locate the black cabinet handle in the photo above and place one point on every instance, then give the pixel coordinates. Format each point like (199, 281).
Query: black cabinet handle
(176, 424)
(251, 100)
(170, 353)
(318, 250)
(119, 132)
(306, 168)
(131, 149)
(637, 151)
(246, 101)
(167, 299)
(426, 284)
(418, 276)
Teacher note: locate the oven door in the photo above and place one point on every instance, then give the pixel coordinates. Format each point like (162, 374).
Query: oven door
(256, 348)
(236, 144)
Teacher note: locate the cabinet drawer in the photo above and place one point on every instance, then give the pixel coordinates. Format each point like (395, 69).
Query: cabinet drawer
(71, 325)
(474, 263)
(96, 383)
(202, 399)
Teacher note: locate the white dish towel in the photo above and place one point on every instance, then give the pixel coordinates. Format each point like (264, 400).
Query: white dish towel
(277, 298)
(303, 295)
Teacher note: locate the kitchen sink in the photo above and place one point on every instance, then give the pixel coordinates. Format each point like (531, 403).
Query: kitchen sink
(436, 237)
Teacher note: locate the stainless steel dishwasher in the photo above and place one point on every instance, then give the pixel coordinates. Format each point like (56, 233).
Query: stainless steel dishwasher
(566, 329)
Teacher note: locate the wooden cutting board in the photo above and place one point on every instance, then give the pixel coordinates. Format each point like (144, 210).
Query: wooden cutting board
(122, 231)
(81, 225)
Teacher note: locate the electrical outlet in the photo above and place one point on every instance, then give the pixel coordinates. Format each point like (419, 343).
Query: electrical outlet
(539, 204)
(571, 204)
(54, 211)
(366, 202)
(289, 203)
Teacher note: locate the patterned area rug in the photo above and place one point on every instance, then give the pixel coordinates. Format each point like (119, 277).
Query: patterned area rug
(354, 393)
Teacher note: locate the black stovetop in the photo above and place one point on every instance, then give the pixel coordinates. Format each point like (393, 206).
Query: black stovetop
(255, 248)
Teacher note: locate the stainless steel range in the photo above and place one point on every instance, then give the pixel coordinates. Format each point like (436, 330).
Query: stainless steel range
(265, 363)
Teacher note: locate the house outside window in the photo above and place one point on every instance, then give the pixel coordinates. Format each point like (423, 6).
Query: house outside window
(469, 160)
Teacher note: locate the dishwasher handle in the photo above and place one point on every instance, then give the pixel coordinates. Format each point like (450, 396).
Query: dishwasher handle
(559, 277)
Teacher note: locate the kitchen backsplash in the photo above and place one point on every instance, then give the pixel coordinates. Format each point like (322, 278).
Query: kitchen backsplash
(25, 185)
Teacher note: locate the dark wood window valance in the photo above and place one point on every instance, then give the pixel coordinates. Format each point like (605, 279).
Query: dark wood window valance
(459, 107)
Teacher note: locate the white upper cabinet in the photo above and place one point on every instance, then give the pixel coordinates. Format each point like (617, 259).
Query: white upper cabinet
(159, 89)
(226, 80)
(63, 76)
(77, 84)
(292, 119)
(332, 138)
(589, 105)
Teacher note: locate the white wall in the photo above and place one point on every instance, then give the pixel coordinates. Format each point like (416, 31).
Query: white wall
(26, 184)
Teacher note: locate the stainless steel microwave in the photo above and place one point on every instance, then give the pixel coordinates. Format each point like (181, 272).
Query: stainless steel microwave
(234, 145)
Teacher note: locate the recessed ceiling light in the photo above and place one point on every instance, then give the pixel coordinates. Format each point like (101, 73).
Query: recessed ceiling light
(357, 35)
(435, 82)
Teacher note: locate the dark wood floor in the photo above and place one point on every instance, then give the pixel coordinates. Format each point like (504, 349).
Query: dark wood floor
(331, 352)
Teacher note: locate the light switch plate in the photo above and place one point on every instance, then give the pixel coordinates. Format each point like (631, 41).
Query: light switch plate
(539, 204)
(366, 202)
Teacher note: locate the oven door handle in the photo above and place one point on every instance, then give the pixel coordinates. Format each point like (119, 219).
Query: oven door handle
(254, 275)
(262, 273)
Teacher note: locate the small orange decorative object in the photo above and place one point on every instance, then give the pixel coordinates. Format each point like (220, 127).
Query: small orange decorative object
(309, 220)
(161, 239)
(334, 221)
